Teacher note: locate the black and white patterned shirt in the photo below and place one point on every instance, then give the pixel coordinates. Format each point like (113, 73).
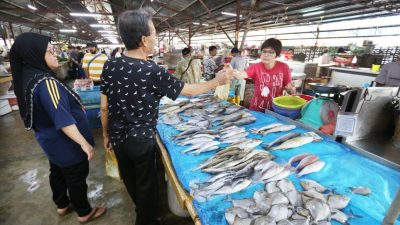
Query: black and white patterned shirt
(134, 88)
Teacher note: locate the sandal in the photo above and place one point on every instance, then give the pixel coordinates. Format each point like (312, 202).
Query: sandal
(64, 211)
(94, 214)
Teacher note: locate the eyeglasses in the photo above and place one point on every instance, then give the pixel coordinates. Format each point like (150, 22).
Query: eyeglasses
(51, 51)
(270, 53)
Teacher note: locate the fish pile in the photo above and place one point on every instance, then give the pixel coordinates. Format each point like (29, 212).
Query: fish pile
(233, 169)
(307, 163)
(273, 128)
(279, 203)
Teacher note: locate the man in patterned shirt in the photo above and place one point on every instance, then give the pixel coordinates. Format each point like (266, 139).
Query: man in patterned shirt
(131, 90)
(210, 67)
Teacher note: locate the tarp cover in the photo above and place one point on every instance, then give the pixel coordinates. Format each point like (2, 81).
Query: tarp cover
(344, 168)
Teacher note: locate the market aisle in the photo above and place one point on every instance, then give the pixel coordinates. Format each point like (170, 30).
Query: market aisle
(25, 193)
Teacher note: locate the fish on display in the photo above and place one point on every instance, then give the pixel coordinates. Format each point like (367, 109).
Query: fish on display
(293, 143)
(312, 185)
(281, 139)
(267, 127)
(171, 118)
(361, 190)
(307, 161)
(312, 168)
(281, 128)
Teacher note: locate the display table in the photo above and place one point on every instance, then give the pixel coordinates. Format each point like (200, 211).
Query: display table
(351, 77)
(345, 167)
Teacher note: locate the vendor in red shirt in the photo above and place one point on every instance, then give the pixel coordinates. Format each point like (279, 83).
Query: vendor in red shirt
(270, 77)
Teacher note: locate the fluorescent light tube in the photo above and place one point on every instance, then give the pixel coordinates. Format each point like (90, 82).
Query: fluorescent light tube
(86, 14)
(100, 25)
(58, 20)
(229, 14)
(106, 31)
(32, 7)
(313, 13)
(67, 30)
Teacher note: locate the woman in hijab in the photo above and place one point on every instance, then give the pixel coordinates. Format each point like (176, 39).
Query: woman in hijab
(56, 115)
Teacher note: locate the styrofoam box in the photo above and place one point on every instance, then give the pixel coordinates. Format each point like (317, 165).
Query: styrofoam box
(4, 107)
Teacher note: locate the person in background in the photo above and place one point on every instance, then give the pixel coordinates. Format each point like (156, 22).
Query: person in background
(81, 54)
(210, 67)
(389, 76)
(189, 69)
(93, 62)
(73, 58)
(131, 90)
(56, 115)
(270, 77)
(64, 54)
(116, 53)
(240, 64)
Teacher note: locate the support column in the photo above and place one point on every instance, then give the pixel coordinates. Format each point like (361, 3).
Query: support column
(237, 23)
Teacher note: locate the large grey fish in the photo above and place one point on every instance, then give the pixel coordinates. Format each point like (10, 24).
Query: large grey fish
(283, 174)
(263, 128)
(171, 119)
(293, 143)
(271, 187)
(285, 185)
(240, 122)
(188, 131)
(274, 170)
(338, 201)
(281, 128)
(312, 168)
(315, 194)
(264, 220)
(232, 118)
(312, 185)
(234, 139)
(235, 212)
(232, 133)
(281, 139)
(361, 190)
(203, 147)
(294, 198)
(339, 216)
(233, 108)
(319, 210)
(207, 148)
(278, 198)
(279, 212)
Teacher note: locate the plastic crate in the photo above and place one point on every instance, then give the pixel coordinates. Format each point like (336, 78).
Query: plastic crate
(90, 97)
(93, 116)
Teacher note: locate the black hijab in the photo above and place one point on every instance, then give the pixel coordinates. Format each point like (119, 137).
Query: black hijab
(29, 68)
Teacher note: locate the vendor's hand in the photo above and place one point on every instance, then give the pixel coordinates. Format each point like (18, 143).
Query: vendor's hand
(107, 144)
(290, 88)
(224, 76)
(88, 149)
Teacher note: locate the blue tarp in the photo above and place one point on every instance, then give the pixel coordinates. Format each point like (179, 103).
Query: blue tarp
(344, 168)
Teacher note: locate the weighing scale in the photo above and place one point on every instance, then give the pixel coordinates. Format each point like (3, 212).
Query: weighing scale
(323, 109)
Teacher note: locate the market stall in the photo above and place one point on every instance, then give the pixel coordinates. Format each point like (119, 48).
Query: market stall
(343, 167)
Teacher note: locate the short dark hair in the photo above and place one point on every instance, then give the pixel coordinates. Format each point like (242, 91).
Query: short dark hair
(186, 51)
(79, 47)
(274, 44)
(211, 48)
(132, 25)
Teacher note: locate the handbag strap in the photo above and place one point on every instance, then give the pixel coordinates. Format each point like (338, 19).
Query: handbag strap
(93, 59)
(188, 66)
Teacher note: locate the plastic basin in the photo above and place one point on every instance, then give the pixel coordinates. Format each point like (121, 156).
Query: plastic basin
(289, 106)
(305, 97)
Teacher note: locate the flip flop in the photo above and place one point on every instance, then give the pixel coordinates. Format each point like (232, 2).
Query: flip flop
(65, 211)
(94, 214)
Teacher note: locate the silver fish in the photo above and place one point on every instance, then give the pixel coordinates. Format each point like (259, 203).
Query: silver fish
(312, 168)
(271, 187)
(278, 212)
(297, 158)
(278, 198)
(171, 119)
(319, 210)
(235, 212)
(267, 127)
(281, 139)
(283, 174)
(312, 185)
(339, 216)
(294, 198)
(264, 220)
(293, 143)
(314, 194)
(274, 170)
(338, 201)
(188, 131)
(307, 161)
(281, 128)
(285, 185)
(361, 190)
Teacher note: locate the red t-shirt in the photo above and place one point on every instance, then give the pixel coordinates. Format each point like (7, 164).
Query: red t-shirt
(268, 84)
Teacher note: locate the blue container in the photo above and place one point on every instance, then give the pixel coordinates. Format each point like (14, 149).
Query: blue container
(291, 113)
(93, 116)
(90, 97)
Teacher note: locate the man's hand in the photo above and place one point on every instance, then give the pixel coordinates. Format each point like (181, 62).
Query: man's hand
(107, 143)
(88, 149)
(290, 88)
(225, 76)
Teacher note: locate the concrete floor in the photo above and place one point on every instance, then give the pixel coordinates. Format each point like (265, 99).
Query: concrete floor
(25, 195)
